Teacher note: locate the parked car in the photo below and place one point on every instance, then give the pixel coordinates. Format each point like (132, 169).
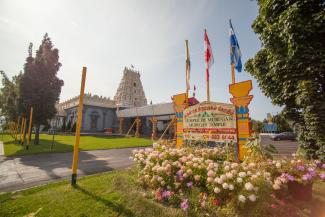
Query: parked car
(284, 136)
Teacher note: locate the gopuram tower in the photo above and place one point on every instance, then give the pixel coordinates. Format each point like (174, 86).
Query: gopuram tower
(130, 91)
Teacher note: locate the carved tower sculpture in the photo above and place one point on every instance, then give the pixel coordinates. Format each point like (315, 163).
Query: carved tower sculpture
(130, 91)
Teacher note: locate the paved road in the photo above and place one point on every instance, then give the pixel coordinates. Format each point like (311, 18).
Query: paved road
(26, 171)
(284, 147)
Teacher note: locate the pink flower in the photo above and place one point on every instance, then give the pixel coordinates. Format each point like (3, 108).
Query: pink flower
(273, 206)
(184, 205)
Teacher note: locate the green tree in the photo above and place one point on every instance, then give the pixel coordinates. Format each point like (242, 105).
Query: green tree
(9, 96)
(290, 67)
(257, 126)
(40, 87)
(281, 123)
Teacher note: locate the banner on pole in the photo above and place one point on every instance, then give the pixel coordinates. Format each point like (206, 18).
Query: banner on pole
(210, 121)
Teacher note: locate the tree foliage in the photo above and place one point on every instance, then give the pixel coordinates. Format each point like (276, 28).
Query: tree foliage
(257, 126)
(290, 67)
(9, 95)
(281, 123)
(40, 87)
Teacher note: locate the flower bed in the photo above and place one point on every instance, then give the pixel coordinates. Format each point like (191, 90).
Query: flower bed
(205, 180)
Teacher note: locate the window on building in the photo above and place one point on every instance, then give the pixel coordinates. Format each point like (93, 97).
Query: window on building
(134, 84)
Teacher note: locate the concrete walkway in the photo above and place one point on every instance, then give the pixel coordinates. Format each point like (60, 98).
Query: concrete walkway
(2, 151)
(30, 170)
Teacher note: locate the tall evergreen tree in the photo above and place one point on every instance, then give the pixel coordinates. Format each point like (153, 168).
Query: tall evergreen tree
(290, 67)
(40, 87)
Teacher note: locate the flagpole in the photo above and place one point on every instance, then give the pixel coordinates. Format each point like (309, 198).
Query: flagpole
(208, 85)
(233, 73)
(187, 70)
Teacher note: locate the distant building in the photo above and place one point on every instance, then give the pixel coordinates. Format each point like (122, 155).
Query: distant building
(99, 113)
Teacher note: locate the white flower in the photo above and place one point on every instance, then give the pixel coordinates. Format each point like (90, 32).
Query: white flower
(242, 198)
(231, 187)
(197, 177)
(209, 180)
(249, 186)
(251, 165)
(229, 175)
(216, 190)
(276, 187)
(223, 177)
(278, 165)
(218, 180)
(225, 185)
(211, 173)
(226, 168)
(277, 182)
(234, 165)
(239, 180)
(242, 174)
(252, 197)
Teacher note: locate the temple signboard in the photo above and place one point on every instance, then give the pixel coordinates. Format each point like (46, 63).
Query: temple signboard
(210, 121)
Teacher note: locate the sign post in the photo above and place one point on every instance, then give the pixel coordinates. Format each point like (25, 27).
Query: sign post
(241, 99)
(78, 126)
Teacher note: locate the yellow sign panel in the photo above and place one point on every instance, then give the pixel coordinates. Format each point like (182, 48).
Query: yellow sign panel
(210, 121)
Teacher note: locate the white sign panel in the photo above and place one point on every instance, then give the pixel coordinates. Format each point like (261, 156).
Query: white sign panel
(210, 122)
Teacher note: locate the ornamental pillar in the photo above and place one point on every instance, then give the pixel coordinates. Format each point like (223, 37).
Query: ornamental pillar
(137, 127)
(241, 99)
(154, 128)
(120, 130)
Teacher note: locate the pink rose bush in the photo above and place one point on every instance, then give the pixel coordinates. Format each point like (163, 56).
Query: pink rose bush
(204, 178)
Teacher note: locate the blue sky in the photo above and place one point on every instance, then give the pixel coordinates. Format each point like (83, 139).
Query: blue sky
(105, 36)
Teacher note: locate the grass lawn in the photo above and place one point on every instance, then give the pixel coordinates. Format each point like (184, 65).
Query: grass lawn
(64, 143)
(109, 194)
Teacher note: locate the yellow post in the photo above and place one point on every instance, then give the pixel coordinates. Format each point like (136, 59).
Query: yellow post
(17, 127)
(187, 70)
(121, 125)
(233, 73)
(77, 136)
(131, 128)
(24, 131)
(154, 128)
(137, 127)
(30, 126)
(167, 128)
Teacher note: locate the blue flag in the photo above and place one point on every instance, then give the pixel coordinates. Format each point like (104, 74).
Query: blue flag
(235, 54)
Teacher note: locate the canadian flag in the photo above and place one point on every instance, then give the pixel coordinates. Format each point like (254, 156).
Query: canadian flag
(208, 56)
